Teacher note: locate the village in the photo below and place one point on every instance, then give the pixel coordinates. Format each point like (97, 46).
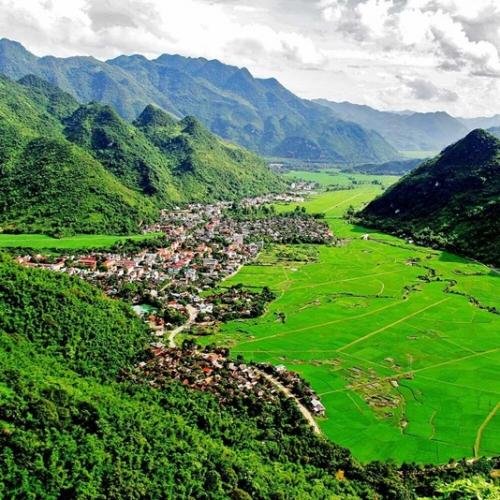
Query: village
(172, 284)
(210, 369)
(201, 246)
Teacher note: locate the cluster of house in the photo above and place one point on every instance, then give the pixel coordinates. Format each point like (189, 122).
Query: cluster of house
(206, 246)
(207, 370)
(210, 369)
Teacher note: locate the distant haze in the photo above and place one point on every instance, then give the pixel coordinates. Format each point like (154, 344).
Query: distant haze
(423, 55)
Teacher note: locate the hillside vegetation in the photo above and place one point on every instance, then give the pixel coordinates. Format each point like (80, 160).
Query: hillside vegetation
(74, 424)
(50, 185)
(259, 114)
(395, 167)
(450, 201)
(71, 168)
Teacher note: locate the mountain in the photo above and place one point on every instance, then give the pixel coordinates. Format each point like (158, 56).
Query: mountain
(259, 114)
(395, 167)
(82, 168)
(407, 131)
(202, 165)
(50, 185)
(481, 122)
(451, 201)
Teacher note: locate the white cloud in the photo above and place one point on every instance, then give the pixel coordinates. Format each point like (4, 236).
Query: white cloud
(460, 33)
(367, 51)
(110, 27)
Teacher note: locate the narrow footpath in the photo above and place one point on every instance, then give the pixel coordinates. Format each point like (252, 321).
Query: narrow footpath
(305, 412)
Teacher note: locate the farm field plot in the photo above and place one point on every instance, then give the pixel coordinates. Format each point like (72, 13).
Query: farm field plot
(328, 177)
(71, 242)
(405, 363)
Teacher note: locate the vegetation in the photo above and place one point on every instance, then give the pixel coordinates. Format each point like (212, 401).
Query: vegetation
(82, 169)
(395, 167)
(374, 309)
(451, 201)
(33, 242)
(75, 424)
(258, 114)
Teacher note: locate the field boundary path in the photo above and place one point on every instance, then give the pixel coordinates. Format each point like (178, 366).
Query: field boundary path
(305, 412)
(192, 316)
(479, 435)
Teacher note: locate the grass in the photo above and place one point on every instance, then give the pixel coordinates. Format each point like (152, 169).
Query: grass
(335, 177)
(81, 241)
(361, 324)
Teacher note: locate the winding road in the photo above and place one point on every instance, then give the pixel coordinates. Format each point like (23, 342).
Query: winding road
(192, 316)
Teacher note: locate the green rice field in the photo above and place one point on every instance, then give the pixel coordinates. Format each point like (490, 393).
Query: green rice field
(40, 241)
(396, 339)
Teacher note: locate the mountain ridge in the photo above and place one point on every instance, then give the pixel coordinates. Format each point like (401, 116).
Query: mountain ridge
(70, 168)
(406, 131)
(259, 114)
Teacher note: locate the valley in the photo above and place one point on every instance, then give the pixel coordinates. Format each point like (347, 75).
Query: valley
(250, 250)
(397, 340)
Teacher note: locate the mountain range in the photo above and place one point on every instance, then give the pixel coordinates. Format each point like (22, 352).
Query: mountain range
(68, 167)
(259, 114)
(411, 131)
(450, 201)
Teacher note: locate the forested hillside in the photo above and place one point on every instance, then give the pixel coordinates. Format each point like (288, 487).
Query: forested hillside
(75, 424)
(395, 167)
(259, 114)
(81, 168)
(48, 184)
(451, 201)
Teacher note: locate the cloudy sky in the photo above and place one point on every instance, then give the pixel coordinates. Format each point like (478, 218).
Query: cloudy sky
(423, 55)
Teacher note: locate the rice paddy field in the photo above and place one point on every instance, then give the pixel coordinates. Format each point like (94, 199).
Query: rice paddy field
(396, 339)
(40, 241)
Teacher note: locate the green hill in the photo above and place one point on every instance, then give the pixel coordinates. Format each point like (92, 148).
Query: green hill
(81, 168)
(450, 201)
(123, 150)
(48, 184)
(74, 423)
(203, 166)
(259, 114)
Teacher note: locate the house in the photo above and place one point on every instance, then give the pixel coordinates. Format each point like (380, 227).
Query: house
(210, 262)
(90, 262)
(317, 407)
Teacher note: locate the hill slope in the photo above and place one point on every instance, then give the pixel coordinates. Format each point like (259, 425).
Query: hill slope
(261, 115)
(75, 422)
(452, 200)
(48, 184)
(406, 132)
(69, 167)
